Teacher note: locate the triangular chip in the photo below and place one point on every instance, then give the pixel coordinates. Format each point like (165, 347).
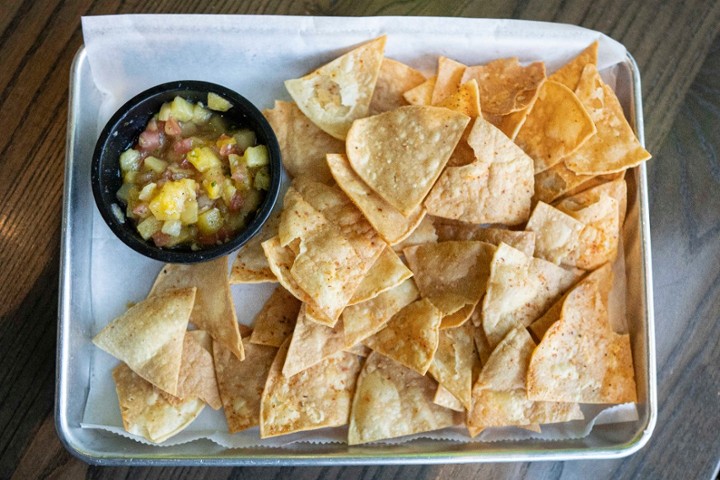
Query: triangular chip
(213, 310)
(520, 289)
(505, 85)
(448, 79)
(149, 336)
(318, 397)
(495, 188)
(421, 94)
(401, 153)
(466, 99)
(411, 336)
(453, 230)
(276, 321)
(391, 401)
(580, 357)
(481, 342)
(455, 360)
(387, 272)
(339, 92)
(616, 189)
(558, 180)
(444, 398)
(250, 264)
(423, 233)
(146, 413)
(311, 343)
(569, 74)
(392, 225)
(197, 373)
(615, 147)
(366, 318)
(452, 275)
(394, 80)
(556, 127)
(303, 145)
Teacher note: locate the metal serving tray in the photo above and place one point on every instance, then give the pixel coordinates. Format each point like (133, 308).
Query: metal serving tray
(74, 347)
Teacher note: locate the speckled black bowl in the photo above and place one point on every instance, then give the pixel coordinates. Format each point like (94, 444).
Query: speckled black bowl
(122, 132)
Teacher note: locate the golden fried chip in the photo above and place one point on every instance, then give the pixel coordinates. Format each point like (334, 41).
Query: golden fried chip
(391, 401)
(421, 94)
(197, 373)
(392, 225)
(466, 99)
(149, 336)
(339, 92)
(387, 272)
(146, 413)
(318, 397)
(366, 318)
(496, 188)
(481, 342)
(214, 310)
(311, 343)
(454, 362)
(558, 181)
(580, 358)
(454, 230)
(250, 264)
(302, 144)
(520, 289)
(616, 189)
(448, 79)
(401, 153)
(557, 125)
(276, 321)
(411, 336)
(615, 147)
(505, 85)
(444, 398)
(423, 233)
(569, 74)
(452, 275)
(241, 383)
(394, 80)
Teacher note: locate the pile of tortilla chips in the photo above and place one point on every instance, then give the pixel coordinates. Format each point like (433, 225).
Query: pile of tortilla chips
(443, 258)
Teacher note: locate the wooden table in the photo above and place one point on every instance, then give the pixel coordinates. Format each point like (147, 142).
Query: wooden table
(678, 49)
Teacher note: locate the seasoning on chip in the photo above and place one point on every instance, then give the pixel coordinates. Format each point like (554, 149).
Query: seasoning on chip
(391, 401)
(214, 310)
(421, 94)
(454, 362)
(339, 92)
(448, 79)
(569, 74)
(395, 78)
(387, 272)
(558, 180)
(444, 398)
(401, 153)
(454, 230)
(149, 336)
(276, 321)
(423, 233)
(250, 264)
(616, 189)
(311, 343)
(197, 373)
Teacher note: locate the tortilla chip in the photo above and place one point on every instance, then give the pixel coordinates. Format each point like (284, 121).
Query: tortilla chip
(556, 127)
(557, 181)
(452, 230)
(411, 336)
(276, 321)
(585, 239)
(452, 275)
(444, 398)
(214, 310)
(250, 264)
(149, 336)
(615, 147)
(505, 85)
(367, 318)
(448, 80)
(302, 144)
(146, 413)
(311, 343)
(423, 233)
(387, 272)
(391, 401)
(481, 342)
(495, 188)
(241, 383)
(511, 123)
(520, 289)
(318, 397)
(359, 350)
(580, 357)
(339, 92)
(454, 362)
(394, 80)
(466, 100)
(197, 373)
(569, 74)
(421, 94)
(401, 153)
(392, 225)
(616, 189)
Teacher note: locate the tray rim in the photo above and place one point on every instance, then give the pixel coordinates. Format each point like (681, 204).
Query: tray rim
(278, 457)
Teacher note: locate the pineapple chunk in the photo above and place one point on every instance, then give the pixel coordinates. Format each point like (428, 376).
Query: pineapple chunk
(164, 113)
(210, 221)
(245, 138)
(239, 171)
(228, 191)
(172, 227)
(147, 191)
(181, 109)
(213, 183)
(218, 103)
(130, 160)
(170, 202)
(257, 156)
(203, 158)
(149, 227)
(155, 164)
(189, 214)
(201, 114)
(225, 140)
(262, 179)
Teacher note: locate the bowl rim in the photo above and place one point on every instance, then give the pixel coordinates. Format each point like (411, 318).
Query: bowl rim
(125, 230)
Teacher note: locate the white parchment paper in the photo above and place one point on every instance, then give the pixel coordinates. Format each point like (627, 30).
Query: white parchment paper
(254, 55)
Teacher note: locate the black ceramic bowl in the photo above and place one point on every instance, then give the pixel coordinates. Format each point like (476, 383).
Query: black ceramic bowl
(122, 132)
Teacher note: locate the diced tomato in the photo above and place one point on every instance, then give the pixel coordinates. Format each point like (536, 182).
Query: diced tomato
(236, 202)
(183, 146)
(150, 140)
(172, 127)
(161, 239)
(141, 210)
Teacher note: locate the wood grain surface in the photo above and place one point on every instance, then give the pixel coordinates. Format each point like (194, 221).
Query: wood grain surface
(677, 47)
